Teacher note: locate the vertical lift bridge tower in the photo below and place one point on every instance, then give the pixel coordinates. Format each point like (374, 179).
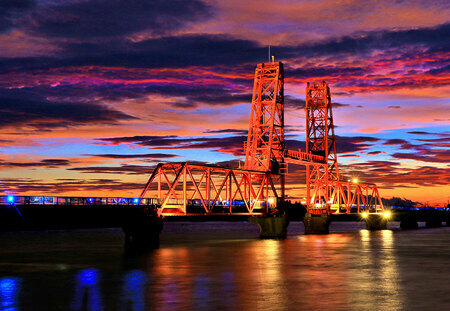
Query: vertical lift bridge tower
(199, 189)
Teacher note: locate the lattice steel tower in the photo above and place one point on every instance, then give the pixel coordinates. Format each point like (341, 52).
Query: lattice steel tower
(320, 140)
(264, 149)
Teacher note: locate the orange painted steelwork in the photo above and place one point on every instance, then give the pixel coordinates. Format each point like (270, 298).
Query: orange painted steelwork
(325, 192)
(265, 142)
(192, 189)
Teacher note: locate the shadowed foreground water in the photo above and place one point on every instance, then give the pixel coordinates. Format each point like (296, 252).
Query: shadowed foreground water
(223, 266)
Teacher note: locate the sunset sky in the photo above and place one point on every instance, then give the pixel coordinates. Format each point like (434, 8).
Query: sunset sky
(94, 93)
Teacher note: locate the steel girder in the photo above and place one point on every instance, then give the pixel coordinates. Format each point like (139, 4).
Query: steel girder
(195, 189)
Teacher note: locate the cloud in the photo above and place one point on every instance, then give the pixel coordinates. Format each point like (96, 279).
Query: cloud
(10, 9)
(44, 114)
(395, 141)
(365, 42)
(67, 186)
(122, 169)
(352, 144)
(104, 18)
(227, 131)
(426, 155)
(48, 163)
(389, 174)
(322, 71)
(134, 156)
(231, 144)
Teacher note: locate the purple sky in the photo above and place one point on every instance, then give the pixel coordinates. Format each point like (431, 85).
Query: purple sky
(93, 93)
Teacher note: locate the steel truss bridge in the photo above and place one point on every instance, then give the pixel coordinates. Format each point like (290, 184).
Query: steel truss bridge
(258, 188)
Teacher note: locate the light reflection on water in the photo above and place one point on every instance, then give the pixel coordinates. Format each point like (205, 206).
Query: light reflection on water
(87, 291)
(361, 270)
(132, 296)
(9, 290)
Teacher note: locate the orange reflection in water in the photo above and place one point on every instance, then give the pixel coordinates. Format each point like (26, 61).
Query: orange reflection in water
(350, 271)
(374, 275)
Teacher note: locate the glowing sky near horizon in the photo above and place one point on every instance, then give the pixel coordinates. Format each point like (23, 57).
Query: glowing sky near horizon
(93, 93)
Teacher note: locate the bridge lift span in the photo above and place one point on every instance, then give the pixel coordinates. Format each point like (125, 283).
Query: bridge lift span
(259, 187)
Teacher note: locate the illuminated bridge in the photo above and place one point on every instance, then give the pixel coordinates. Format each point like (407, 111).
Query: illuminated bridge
(199, 191)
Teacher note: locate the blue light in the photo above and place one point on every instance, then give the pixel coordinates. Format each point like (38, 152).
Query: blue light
(136, 201)
(133, 291)
(9, 290)
(87, 290)
(90, 200)
(10, 198)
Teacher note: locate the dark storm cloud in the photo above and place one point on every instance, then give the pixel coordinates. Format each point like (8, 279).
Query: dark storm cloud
(44, 114)
(10, 10)
(107, 18)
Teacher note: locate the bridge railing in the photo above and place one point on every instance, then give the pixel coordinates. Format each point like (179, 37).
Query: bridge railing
(56, 200)
(303, 156)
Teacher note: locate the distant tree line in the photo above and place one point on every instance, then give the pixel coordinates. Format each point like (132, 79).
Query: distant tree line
(394, 201)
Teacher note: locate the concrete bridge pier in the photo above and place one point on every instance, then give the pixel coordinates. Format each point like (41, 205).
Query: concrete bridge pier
(433, 220)
(317, 224)
(271, 227)
(376, 222)
(142, 233)
(409, 221)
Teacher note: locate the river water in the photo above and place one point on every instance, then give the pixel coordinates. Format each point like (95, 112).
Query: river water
(224, 266)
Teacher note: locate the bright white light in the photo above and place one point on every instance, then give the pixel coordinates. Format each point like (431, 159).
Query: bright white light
(10, 198)
(355, 180)
(364, 215)
(387, 214)
(271, 201)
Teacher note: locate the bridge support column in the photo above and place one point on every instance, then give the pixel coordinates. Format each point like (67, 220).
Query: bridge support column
(317, 224)
(408, 221)
(142, 233)
(433, 220)
(376, 222)
(271, 227)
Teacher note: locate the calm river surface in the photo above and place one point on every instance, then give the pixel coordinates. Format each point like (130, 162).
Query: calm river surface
(224, 266)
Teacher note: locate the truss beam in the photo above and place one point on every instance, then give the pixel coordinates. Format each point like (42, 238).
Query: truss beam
(213, 190)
